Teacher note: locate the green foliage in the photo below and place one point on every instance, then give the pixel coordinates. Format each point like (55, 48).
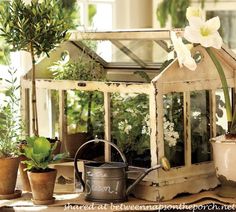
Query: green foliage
(79, 105)
(10, 122)
(130, 122)
(38, 28)
(70, 12)
(176, 9)
(84, 109)
(37, 25)
(84, 68)
(92, 10)
(4, 52)
(39, 152)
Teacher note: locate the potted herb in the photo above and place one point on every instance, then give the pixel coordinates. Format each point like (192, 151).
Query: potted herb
(10, 132)
(39, 154)
(205, 33)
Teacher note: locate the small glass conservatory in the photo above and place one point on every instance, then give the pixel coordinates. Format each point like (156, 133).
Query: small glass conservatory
(144, 102)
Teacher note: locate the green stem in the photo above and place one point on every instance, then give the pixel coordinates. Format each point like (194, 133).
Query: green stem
(224, 86)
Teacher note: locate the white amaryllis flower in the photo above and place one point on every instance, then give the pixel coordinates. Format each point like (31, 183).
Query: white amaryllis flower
(183, 53)
(204, 32)
(194, 12)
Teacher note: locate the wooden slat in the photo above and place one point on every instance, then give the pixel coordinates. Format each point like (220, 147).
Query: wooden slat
(194, 85)
(90, 86)
(181, 174)
(168, 192)
(160, 115)
(62, 119)
(107, 124)
(187, 130)
(153, 125)
(122, 35)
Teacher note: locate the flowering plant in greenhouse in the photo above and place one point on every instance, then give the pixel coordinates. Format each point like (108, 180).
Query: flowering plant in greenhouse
(131, 124)
(204, 33)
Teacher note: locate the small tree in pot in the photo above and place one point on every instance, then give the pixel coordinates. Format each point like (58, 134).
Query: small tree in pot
(9, 136)
(39, 153)
(37, 28)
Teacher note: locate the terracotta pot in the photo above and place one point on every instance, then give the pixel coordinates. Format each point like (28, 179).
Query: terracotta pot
(224, 156)
(8, 175)
(23, 175)
(74, 141)
(42, 186)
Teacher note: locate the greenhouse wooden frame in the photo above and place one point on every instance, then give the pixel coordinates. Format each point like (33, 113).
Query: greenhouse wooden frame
(158, 185)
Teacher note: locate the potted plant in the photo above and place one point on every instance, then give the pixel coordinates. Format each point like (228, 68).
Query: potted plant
(39, 154)
(206, 34)
(36, 28)
(10, 133)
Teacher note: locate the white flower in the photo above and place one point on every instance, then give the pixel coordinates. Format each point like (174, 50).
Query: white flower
(124, 126)
(146, 130)
(204, 32)
(127, 129)
(183, 53)
(170, 136)
(194, 12)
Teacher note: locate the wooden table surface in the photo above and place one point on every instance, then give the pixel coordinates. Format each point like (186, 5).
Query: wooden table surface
(76, 202)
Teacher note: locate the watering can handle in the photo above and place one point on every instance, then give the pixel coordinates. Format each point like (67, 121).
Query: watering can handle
(77, 174)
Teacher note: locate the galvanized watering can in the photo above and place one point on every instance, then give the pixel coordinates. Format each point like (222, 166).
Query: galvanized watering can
(106, 181)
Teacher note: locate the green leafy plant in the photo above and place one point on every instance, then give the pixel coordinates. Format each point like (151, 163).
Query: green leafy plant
(38, 28)
(39, 152)
(84, 109)
(176, 9)
(70, 12)
(130, 124)
(10, 122)
(83, 69)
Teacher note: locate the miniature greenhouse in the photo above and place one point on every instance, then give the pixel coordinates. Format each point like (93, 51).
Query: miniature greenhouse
(146, 104)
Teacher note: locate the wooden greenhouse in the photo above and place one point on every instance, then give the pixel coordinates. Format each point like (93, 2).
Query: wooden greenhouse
(189, 103)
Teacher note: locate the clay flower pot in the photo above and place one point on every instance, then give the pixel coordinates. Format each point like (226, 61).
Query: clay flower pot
(74, 141)
(42, 186)
(23, 175)
(224, 156)
(8, 175)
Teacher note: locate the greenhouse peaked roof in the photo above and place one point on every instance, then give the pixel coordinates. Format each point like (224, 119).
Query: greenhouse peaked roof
(141, 49)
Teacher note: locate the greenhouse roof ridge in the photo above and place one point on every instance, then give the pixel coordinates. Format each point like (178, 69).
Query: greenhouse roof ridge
(123, 34)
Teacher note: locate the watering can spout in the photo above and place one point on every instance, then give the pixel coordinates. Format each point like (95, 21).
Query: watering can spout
(164, 165)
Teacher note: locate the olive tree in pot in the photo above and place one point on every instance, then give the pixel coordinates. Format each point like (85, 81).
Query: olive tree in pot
(205, 33)
(10, 132)
(39, 154)
(37, 28)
